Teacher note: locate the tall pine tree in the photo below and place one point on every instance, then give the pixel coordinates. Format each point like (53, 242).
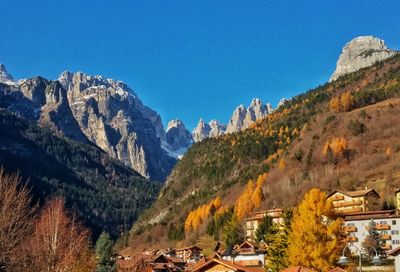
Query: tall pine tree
(104, 254)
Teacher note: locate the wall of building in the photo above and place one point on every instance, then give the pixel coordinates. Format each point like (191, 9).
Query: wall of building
(362, 232)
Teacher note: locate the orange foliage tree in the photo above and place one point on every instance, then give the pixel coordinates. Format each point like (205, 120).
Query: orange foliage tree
(317, 236)
(59, 242)
(344, 102)
(251, 197)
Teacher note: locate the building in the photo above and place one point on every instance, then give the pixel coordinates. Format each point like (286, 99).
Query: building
(191, 254)
(253, 222)
(220, 265)
(387, 224)
(355, 201)
(247, 254)
(297, 269)
(152, 263)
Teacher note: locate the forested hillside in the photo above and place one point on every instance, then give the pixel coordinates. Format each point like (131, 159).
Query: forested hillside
(106, 194)
(342, 135)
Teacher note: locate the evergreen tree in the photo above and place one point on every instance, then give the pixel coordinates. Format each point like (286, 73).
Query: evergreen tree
(104, 254)
(264, 229)
(278, 244)
(234, 232)
(374, 240)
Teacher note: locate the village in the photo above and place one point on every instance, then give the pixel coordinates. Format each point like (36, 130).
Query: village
(357, 209)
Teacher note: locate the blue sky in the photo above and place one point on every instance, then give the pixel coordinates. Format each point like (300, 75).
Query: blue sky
(192, 59)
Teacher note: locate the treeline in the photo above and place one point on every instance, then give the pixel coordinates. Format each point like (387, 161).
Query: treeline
(48, 239)
(104, 193)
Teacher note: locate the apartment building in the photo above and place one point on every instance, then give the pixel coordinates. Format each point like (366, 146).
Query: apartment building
(355, 201)
(253, 222)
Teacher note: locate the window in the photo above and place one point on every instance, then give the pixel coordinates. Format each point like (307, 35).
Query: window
(395, 232)
(396, 242)
(393, 222)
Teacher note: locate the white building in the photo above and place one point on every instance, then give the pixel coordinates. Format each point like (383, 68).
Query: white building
(387, 224)
(248, 254)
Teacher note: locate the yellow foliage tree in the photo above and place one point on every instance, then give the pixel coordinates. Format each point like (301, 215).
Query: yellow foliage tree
(257, 197)
(282, 164)
(317, 237)
(337, 145)
(346, 101)
(334, 104)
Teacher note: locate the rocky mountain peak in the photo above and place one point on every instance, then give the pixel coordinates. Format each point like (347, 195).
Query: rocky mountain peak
(359, 53)
(177, 136)
(217, 128)
(201, 131)
(5, 77)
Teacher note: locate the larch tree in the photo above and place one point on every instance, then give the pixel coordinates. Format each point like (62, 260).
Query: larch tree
(317, 237)
(16, 218)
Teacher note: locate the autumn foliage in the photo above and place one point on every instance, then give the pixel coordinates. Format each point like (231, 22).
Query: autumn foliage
(196, 217)
(317, 237)
(335, 146)
(59, 242)
(251, 197)
(342, 103)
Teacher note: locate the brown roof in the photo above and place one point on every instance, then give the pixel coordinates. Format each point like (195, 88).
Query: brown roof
(189, 247)
(230, 265)
(356, 193)
(297, 269)
(370, 215)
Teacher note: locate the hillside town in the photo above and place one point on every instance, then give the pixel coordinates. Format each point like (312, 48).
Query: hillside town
(357, 209)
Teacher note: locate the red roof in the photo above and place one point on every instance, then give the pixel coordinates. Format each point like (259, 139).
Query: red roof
(230, 265)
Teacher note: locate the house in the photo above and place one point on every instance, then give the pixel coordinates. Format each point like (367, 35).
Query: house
(220, 265)
(253, 222)
(247, 254)
(354, 201)
(387, 224)
(190, 254)
(152, 263)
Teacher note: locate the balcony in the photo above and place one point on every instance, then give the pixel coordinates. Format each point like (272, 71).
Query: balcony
(350, 229)
(352, 239)
(387, 247)
(382, 227)
(386, 237)
(348, 203)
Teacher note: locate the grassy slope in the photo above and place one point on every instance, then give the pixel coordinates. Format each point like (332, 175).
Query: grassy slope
(221, 166)
(105, 193)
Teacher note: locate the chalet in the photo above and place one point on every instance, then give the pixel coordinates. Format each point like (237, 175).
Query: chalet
(253, 222)
(220, 265)
(354, 201)
(191, 254)
(247, 254)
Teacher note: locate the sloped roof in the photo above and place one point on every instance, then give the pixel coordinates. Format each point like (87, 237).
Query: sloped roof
(394, 252)
(230, 265)
(356, 193)
(297, 269)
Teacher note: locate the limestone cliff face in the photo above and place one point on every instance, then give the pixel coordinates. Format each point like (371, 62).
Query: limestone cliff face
(178, 137)
(111, 115)
(242, 118)
(359, 53)
(94, 109)
(210, 129)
